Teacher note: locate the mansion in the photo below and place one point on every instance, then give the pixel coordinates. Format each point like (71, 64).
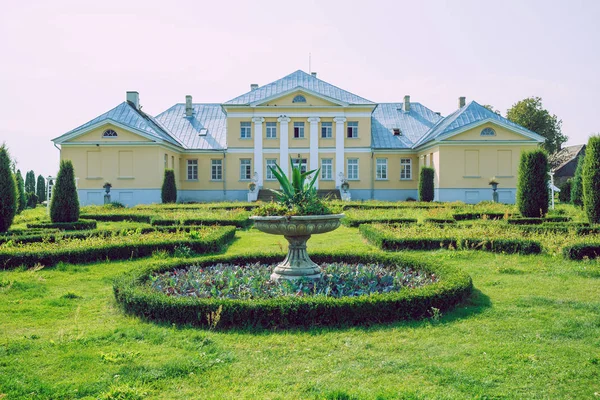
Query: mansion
(217, 149)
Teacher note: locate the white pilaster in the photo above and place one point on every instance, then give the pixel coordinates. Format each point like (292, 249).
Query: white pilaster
(313, 162)
(339, 149)
(258, 150)
(284, 157)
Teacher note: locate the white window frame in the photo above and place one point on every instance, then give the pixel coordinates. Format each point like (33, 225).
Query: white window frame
(245, 130)
(352, 130)
(300, 127)
(245, 169)
(328, 128)
(270, 162)
(216, 169)
(192, 170)
(271, 130)
(404, 163)
(354, 163)
(381, 174)
(327, 169)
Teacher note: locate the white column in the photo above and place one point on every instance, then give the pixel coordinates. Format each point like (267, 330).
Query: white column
(284, 157)
(313, 162)
(339, 149)
(258, 150)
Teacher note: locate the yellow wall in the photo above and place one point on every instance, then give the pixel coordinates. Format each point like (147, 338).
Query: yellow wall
(96, 136)
(501, 134)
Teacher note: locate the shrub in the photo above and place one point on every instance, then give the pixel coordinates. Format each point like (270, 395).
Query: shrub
(136, 297)
(64, 205)
(577, 184)
(21, 200)
(8, 191)
(168, 193)
(532, 184)
(591, 180)
(565, 191)
(32, 199)
(426, 184)
(41, 188)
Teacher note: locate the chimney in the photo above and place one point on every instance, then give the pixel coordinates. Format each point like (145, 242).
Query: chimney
(189, 109)
(407, 103)
(314, 74)
(133, 98)
(253, 86)
(461, 102)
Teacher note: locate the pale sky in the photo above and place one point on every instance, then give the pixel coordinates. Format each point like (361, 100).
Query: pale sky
(63, 63)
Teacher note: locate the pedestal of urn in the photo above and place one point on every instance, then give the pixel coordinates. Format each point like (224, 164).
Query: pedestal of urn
(297, 230)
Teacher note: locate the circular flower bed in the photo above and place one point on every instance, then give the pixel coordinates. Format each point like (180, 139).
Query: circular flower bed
(235, 291)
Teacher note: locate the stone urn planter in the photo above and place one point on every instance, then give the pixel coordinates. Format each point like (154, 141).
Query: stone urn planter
(297, 231)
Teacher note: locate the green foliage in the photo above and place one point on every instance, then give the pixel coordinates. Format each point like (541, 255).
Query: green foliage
(565, 191)
(30, 182)
(577, 185)
(41, 188)
(530, 114)
(591, 180)
(134, 294)
(64, 204)
(426, 184)
(21, 200)
(8, 191)
(532, 184)
(31, 199)
(80, 225)
(168, 193)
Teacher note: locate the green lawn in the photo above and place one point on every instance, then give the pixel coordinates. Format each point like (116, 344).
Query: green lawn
(531, 330)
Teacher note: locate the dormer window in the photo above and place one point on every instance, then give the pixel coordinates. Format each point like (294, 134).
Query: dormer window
(299, 99)
(109, 133)
(397, 132)
(488, 132)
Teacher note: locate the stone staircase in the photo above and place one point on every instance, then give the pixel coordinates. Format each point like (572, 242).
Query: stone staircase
(266, 196)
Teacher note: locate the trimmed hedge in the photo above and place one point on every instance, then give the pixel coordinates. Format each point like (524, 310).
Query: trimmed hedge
(580, 251)
(354, 222)
(81, 225)
(467, 216)
(132, 292)
(122, 251)
(239, 222)
(119, 217)
(391, 243)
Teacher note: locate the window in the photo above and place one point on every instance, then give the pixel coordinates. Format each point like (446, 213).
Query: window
(327, 169)
(109, 133)
(352, 129)
(298, 130)
(216, 170)
(192, 170)
(166, 161)
(271, 130)
(405, 168)
(488, 132)
(299, 99)
(245, 130)
(352, 168)
(326, 130)
(300, 162)
(245, 169)
(270, 164)
(381, 169)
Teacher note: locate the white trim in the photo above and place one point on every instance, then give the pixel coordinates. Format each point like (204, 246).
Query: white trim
(301, 89)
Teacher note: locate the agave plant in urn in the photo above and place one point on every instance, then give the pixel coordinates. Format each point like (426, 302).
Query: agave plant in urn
(297, 214)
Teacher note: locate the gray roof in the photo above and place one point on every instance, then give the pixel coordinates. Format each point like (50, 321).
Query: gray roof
(187, 129)
(467, 115)
(127, 115)
(412, 124)
(298, 80)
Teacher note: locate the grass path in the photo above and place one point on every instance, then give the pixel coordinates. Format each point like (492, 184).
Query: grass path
(531, 330)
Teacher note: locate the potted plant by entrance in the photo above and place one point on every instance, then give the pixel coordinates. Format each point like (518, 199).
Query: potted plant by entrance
(298, 214)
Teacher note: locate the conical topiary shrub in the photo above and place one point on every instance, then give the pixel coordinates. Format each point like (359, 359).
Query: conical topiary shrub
(168, 193)
(64, 204)
(426, 184)
(532, 184)
(8, 191)
(591, 180)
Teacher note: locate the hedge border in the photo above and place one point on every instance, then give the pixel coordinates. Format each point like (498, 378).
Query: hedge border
(391, 243)
(81, 225)
(136, 298)
(213, 243)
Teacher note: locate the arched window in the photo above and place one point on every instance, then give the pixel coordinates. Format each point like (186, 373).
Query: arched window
(109, 133)
(299, 99)
(488, 132)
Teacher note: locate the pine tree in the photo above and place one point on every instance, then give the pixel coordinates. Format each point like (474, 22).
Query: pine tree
(591, 180)
(64, 205)
(8, 191)
(168, 193)
(30, 182)
(577, 185)
(426, 184)
(21, 199)
(41, 188)
(532, 184)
